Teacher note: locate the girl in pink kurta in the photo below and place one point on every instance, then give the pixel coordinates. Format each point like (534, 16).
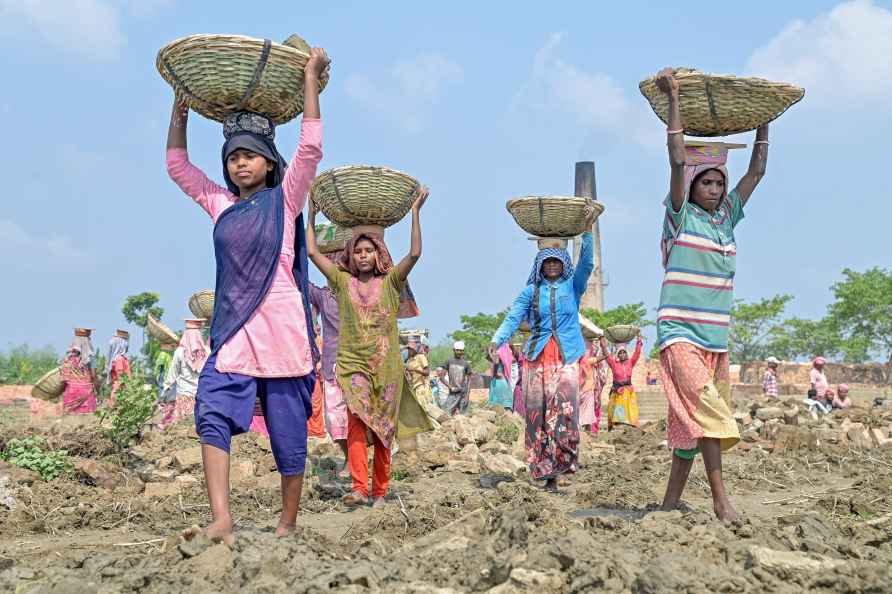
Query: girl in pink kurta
(261, 340)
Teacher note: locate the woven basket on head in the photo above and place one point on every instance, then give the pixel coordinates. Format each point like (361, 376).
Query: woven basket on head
(160, 332)
(621, 333)
(50, 386)
(364, 195)
(722, 104)
(219, 74)
(201, 304)
(332, 238)
(552, 216)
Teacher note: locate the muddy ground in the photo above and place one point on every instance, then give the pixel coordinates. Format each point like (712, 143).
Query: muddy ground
(818, 518)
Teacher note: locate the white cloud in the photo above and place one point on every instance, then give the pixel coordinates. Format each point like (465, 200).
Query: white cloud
(56, 249)
(557, 91)
(408, 91)
(89, 28)
(840, 54)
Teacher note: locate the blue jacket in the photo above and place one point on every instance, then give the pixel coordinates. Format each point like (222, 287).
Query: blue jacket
(559, 307)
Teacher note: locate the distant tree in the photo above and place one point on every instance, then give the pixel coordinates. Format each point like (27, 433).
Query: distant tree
(862, 313)
(440, 353)
(476, 332)
(23, 365)
(632, 313)
(753, 326)
(137, 307)
(136, 310)
(797, 338)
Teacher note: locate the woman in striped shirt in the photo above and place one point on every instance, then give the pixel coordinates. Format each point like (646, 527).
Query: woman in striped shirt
(699, 254)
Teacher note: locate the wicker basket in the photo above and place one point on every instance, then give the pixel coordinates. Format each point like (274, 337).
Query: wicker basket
(721, 104)
(332, 238)
(364, 195)
(50, 386)
(201, 304)
(160, 332)
(590, 330)
(621, 333)
(552, 216)
(219, 74)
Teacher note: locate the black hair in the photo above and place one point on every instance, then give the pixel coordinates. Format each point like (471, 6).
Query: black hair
(812, 393)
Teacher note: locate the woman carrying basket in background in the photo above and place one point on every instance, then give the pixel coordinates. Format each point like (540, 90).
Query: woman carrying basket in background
(622, 408)
(591, 384)
(261, 334)
(79, 376)
(370, 369)
(181, 379)
(699, 254)
(550, 303)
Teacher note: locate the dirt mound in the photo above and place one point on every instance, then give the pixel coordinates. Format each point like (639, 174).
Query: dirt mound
(816, 518)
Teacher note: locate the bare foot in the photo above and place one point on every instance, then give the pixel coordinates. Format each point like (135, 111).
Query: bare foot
(378, 503)
(217, 531)
(354, 498)
(725, 512)
(285, 529)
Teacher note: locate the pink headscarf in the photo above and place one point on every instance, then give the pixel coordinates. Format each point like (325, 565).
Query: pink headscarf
(843, 388)
(819, 361)
(698, 164)
(408, 308)
(195, 348)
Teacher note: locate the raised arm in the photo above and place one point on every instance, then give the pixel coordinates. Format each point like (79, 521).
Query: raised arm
(325, 266)
(637, 354)
(675, 137)
(758, 163)
(190, 179)
(406, 265)
(586, 263)
(179, 117)
(302, 169)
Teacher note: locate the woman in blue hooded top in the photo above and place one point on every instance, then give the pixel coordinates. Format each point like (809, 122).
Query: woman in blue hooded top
(550, 304)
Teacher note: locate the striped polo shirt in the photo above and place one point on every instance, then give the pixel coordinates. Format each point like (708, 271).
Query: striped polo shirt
(698, 288)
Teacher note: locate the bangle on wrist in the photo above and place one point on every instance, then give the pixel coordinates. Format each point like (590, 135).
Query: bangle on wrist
(765, 142)
(670, 131)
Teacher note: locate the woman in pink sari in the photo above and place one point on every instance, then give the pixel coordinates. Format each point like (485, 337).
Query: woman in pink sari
(591, 383)
(79, 397)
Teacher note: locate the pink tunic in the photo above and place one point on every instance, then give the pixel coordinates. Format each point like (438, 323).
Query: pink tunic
(622, 370)
(273, 342)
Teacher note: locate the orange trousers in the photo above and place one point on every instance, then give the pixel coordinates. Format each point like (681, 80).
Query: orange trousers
(358, 459)
(316, 422)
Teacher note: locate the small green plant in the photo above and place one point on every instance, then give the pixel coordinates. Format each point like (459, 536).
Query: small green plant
(508, 433)
(31, 453)
(134, 405)
(399, 474)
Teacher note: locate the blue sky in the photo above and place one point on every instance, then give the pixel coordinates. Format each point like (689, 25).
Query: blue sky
(481, 101)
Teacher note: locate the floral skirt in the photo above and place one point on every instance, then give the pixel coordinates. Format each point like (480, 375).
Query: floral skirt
(552, 416)
(698, 389)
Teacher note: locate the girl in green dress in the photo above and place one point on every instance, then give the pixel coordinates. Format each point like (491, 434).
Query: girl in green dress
(370, 370)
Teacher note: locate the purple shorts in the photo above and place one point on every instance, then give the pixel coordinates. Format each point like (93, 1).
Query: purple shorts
(224, 407)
